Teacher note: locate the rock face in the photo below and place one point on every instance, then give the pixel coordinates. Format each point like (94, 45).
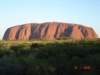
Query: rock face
(49, 31)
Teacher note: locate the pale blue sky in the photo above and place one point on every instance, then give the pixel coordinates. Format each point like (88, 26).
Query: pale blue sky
(14, 12)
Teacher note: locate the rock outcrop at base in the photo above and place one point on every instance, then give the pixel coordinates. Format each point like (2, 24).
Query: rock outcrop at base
(49, 31)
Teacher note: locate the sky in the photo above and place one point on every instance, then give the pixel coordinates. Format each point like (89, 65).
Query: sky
(17, 12)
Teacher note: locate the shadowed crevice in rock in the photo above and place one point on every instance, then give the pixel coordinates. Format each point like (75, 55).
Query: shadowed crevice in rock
(18, 31)
(67, 31)
(6, 35)
(57, 34)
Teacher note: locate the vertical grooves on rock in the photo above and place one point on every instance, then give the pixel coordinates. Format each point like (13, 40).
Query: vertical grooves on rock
(6, 35)
(35, 32)
(46, 29)
(18, 31)
(30, 37)
(49, 31)
(68, 31)
(56, 35)
(43, 28)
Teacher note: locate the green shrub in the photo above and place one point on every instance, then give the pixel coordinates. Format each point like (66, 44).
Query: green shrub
(49, 58)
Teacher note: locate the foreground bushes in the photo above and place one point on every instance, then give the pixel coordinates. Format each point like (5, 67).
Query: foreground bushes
(50, 59)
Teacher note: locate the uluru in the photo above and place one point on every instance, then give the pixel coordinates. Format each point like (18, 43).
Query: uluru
(49, 31)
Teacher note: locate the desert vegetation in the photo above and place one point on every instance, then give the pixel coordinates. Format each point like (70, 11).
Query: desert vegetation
(58, 57)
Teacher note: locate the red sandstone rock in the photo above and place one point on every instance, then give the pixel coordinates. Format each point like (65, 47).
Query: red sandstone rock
(49, 31)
